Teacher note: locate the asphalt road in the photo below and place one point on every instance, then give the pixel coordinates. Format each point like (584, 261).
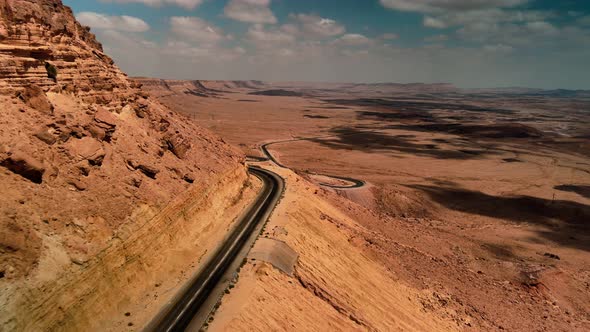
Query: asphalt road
(190, 303)
(355, 183)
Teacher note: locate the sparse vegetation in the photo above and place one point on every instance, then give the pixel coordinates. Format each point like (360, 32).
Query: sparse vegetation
(51, 71)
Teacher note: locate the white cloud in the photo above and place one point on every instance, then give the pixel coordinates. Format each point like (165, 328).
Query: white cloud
(488, 16)
(262, 37)
(119, 23)
(195, 29)
(250, 11)
(315, 26)
(430, 6)
(188, 4)
(537, 33)
(497, 44)
(352, 39)
(432, 22)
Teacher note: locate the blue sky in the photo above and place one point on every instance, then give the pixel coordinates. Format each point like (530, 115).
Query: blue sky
(471, 43)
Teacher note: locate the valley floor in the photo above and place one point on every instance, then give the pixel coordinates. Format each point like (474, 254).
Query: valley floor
(475, 214)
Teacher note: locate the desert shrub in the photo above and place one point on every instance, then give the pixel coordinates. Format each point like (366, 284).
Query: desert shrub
(51, 71)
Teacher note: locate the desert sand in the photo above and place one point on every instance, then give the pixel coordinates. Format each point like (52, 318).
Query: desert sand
(471, 210)
(476, 200)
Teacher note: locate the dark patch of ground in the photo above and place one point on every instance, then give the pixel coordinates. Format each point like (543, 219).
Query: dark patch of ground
(331, 107)
(497, 131)
(418, 106)
(409, 115)
(567, 222)
(316, 116)
(277, 93)
(371, 141)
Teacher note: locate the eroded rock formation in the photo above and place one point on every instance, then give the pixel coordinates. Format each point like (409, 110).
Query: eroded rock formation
(34, 33)
(99, 182)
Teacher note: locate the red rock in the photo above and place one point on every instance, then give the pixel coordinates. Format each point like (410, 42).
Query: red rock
(46, 137)
(106, 117)
(86, 148)
(34, 97)
(177, 144)
(24, 165)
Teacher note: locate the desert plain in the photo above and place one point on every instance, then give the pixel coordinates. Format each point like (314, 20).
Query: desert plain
(478, 199)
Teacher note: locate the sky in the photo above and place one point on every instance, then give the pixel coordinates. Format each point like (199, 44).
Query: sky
(470, 43)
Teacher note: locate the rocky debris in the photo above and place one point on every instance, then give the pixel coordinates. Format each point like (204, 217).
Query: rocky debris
(104, 125)
(19, 247)
(105, 117)
(189, 177)
(24, 165)
(550, 255)
(78, 184)
(134, 181)
(45, 136)
(65, 132)
(34, 97)
(531, 277)
(177, 144)
(86, 148)
(141, 108)
(149, 171)
(84, 168)
(163, 125)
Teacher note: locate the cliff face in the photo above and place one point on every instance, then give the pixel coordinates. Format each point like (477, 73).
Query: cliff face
(104, 190)
(35, 32)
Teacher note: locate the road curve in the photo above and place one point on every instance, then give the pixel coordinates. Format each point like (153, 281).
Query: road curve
(355, 183)
(190, 303)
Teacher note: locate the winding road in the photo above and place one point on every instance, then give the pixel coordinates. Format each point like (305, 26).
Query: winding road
(355, 183)
(193, 305)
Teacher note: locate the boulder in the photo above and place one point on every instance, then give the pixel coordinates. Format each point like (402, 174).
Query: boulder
(46, 137)
(189, 177)
(34, 97)
(104, 125)
(177, 144)
(141, 108)
(97, 132)
(105, 117)
(149, 171)
(24, 165)
(86, 148)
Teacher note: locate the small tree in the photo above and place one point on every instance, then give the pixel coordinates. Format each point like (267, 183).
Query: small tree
(51, 71)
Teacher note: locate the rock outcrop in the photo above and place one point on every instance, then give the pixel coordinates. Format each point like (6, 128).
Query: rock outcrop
(25, 166)
(34, 33)
(100, 184)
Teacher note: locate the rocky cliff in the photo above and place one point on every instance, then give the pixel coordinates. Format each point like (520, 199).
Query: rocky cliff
(38, 33)
(104, 190)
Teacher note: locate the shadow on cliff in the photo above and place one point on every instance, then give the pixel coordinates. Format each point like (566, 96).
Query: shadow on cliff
(580, 190)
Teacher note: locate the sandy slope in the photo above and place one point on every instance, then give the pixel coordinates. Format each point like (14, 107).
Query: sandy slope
(336, 286)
